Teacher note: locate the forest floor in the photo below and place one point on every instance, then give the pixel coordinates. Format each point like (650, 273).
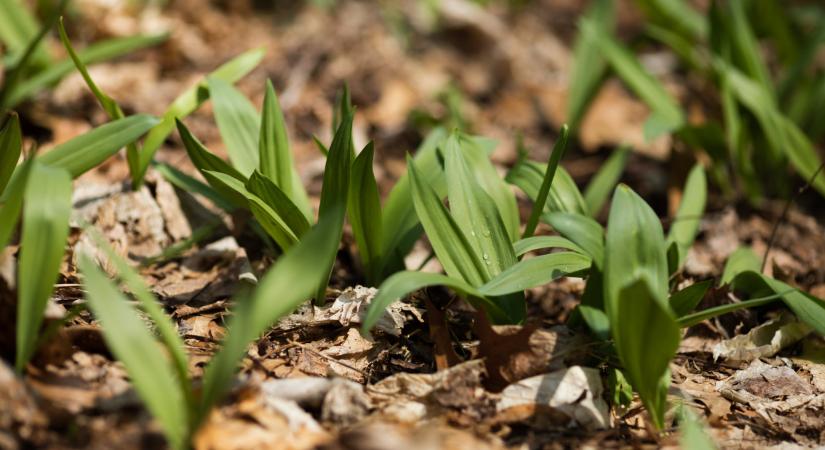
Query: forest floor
(314, 381)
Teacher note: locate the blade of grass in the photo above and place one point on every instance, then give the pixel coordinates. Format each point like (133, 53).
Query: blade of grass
(101, 51)
(48, 200)
(18, 28)
(90, 149)
(543, 242)
(532, 272)
(564, 194)
(11, 144)
(192, 185)
(277, 199)
(12, 201)
(589, 68)
(541, 199)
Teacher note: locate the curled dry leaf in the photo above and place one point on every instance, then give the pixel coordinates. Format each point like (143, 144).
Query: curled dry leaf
(764, 341)
(568, 397)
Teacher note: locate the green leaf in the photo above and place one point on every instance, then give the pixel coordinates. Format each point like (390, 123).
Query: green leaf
(132, 343)
(11, 144)
(693, 435)
(334, 192)
(48, 203)
(743, 259)
(686, 223)
(238, 123)
(277, 199)
(276, 161)
(365, 213)
(546, 183)
(272, 222)
(692, 319)
(192, 185)
(291, 281)
(207, 162)
(111, 107)
(11, 203)
(475, 213)
(599, 188)
(100, 51)
(634, 249)
(400, 224)
(663, 105)
(807, 308)
(646, 337)
(543, 242)
(151, 306)
(581, 230)
(678, 14)
(746, 46)
(589, 68)
(449, 242)
(533, 272)
(476, 152)
(18, 27)
(192, 98)
(90, 149)
(684, 301)
(402, 283)
(564, 194)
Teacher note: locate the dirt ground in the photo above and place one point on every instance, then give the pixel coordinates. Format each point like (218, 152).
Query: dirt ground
(314, 381)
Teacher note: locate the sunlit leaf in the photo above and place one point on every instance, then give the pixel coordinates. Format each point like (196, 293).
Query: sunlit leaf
(686, 222)
(603, 182)
(547, 182)
(238, 123)
(589, 67)
(581, 230)
(684, 301)
(47, 205)
(132, 343)
(11, 144)
(365, 213)
(544, 242)
(532, 272)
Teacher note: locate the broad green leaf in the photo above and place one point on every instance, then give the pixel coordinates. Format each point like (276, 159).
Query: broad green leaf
(402, 283)
(100, 51)
(475, 213)
(274, 225)
(543, 242)
(291, 281)
(686, 223)
(583, 231)
(449, 242)
(603, 183)
(589, 68)
(276, 161)
(741, 260)
(646, 336)
(400, 225)
(334, 193)
(192, 98)
(48, 203)
(365, 214)
(547, 182)
(11, 144)
(684, 301)
(238, 123)
(476, 152)
(807, 308)
(532, 272)
(132, 343)
(665, 108)
(634, 250)
(90, 149)
(205, 161)
(192, 185)
(11, 203)
(564, 194)
(592, 304)
(277, 199)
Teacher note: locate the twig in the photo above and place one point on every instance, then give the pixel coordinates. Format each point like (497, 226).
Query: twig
(784, 215)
